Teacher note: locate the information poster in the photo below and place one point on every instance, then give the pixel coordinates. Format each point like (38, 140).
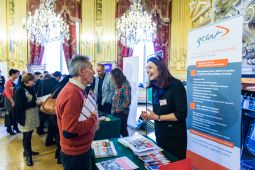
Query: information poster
(214, 95)
(130, 68)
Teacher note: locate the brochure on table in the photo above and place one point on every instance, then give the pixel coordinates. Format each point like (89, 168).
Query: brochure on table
(213, 91)
(103, 148)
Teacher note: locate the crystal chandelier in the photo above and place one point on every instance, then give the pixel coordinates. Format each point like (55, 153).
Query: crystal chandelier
(45, 25)
(135, 26)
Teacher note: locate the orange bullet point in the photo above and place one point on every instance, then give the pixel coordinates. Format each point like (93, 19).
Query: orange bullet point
(193, 72)
(192, 105)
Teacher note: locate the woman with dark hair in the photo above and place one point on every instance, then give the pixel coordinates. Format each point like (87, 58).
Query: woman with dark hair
(121, 99)
(169, 108)
(27, 113)
(8, 94)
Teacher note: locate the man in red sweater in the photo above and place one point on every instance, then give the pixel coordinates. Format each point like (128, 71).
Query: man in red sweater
(76, 136)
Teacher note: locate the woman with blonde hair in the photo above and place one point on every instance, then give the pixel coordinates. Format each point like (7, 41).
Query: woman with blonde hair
(27, 113)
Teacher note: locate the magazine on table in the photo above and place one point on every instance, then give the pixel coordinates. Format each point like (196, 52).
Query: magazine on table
(154, 165)
(89, 106)
(149, 152)
(152, 156)
(103, 148)
(122, 163)
(138, 143)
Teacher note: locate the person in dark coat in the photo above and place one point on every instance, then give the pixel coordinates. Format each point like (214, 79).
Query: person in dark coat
(169, 108)
(55, 131)
(27, 113)
(2, 82)
(45, 87)
(37, 81)
(91, 87)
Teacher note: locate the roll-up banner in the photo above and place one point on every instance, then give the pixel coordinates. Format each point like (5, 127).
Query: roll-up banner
(214, 95)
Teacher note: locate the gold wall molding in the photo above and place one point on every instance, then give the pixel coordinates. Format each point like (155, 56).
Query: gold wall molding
(180, 25)
(15, 37)
(98, 30)
(87, 45)
(3, 30)
(200, 12)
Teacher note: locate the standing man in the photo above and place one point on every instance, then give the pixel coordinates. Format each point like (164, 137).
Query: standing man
(37, 81)
(76, 136)
(2, 82)
(104, 89)
(44, 88)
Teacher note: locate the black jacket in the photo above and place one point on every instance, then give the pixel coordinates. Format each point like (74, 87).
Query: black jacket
(172, 135)
(46, 86)
(21, 103)
(36, 86)
(60, 86)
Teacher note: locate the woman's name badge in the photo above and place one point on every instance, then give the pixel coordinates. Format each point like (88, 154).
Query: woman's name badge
(162, 102)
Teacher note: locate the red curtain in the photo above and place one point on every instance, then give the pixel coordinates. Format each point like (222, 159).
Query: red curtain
(36, 53)
(69, 46)
(122, 51)
(160, 10)
(162, 37)
(70, 10)
(36, 50)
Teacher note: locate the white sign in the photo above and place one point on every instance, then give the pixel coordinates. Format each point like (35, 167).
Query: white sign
(130, 70)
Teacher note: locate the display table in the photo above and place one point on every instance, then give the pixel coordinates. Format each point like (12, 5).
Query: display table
(109, 129)
(124, 151)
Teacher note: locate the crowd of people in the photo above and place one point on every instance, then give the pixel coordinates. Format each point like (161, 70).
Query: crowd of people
(73, 138)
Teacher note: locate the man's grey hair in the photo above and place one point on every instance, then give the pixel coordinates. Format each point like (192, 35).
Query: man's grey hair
(78, 62)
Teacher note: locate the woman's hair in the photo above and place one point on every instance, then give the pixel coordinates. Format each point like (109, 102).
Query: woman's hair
(13, 71)
(165, 78)
(27, 77)
(118, 77)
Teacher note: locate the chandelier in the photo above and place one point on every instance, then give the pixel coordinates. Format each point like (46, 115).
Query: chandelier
(45, 25)
(135, 26)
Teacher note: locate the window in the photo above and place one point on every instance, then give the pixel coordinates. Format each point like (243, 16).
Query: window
(54, 58)
(143, 51)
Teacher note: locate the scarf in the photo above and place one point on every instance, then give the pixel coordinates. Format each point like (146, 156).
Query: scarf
(157, 92)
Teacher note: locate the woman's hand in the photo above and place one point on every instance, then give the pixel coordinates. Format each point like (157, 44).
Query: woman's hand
(150, 115)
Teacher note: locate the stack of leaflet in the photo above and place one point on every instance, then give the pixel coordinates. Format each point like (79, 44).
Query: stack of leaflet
(89, 106)
(122, 163)
(146, 150)
(104, 148)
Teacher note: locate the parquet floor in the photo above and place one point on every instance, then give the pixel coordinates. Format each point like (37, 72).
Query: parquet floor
(11, 152)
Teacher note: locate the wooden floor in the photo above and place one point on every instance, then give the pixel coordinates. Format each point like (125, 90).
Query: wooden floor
(11, 152)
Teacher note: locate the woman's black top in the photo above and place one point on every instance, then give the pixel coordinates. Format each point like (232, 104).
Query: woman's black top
(21, 103)
(171, 135)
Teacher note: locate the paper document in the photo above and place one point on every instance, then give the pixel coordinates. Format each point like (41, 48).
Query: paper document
(89, 106)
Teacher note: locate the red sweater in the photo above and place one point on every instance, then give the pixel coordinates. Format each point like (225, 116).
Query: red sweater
(75, 137)
(9, 89)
